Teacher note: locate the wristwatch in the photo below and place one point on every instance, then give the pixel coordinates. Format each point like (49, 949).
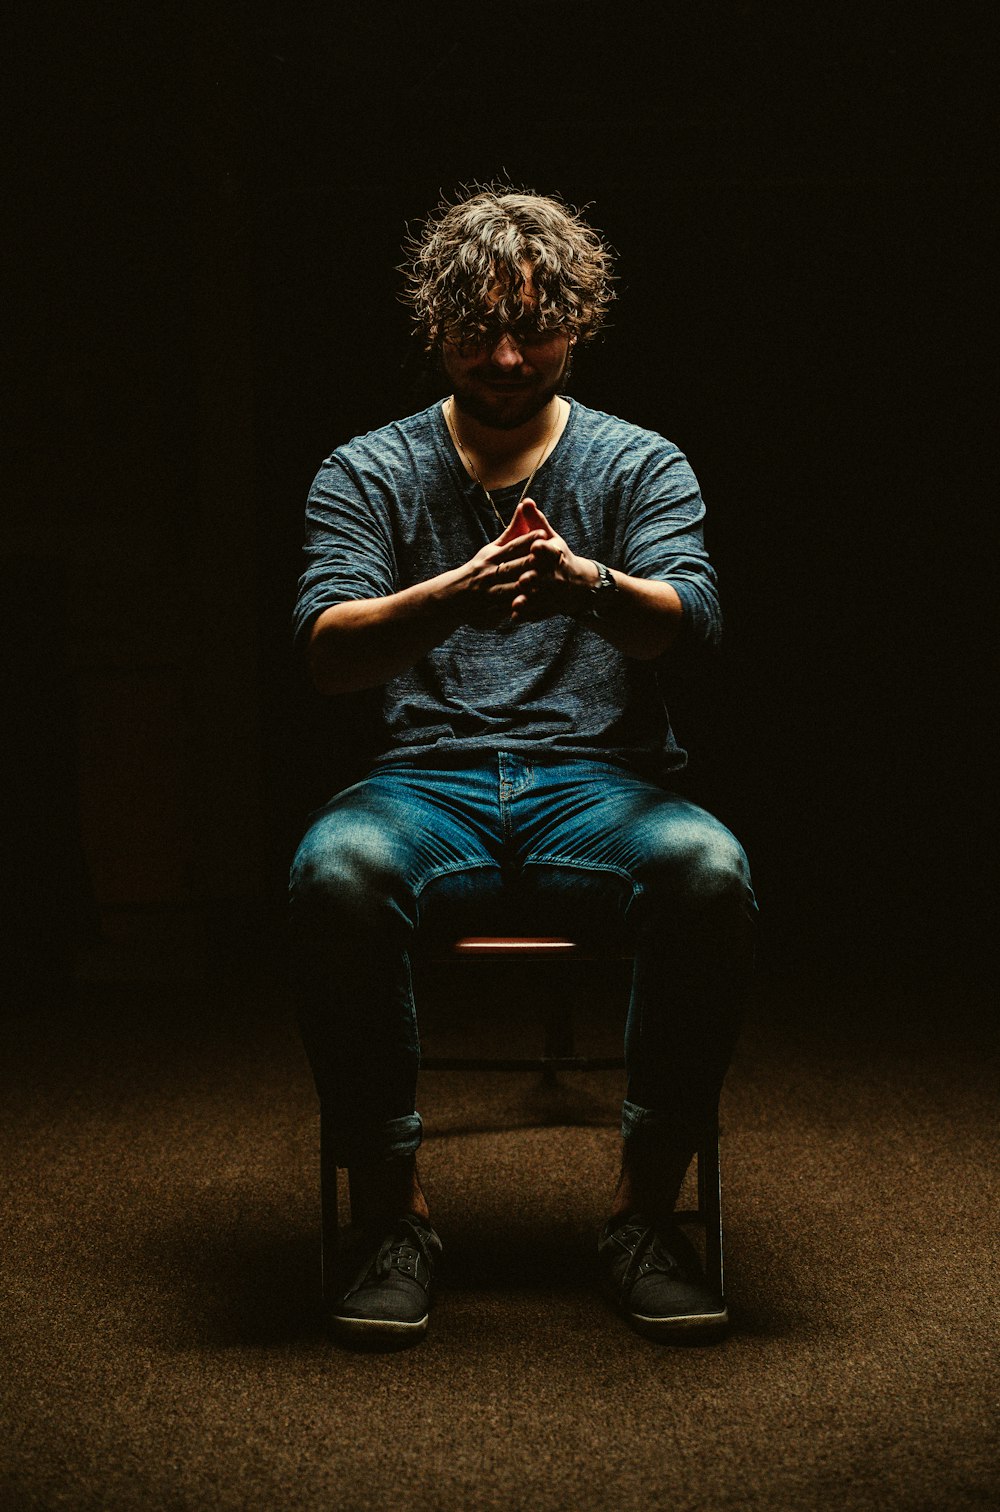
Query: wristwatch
(603, 595)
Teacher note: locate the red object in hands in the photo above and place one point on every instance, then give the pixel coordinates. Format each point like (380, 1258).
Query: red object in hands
(528, 519)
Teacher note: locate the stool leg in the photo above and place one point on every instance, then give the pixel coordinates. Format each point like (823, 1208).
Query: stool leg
(560, 1040)
(328, 1205)
(710, 1205)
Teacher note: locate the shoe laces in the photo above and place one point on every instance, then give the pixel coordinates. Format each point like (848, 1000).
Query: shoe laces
(400, 1254)
(399, 1251)
(402, 1250)
(648, 1251)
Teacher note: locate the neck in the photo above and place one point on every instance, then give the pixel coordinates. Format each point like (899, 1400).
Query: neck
(497, 445)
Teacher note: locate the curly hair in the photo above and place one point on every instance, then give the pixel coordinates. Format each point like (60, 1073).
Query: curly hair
(467, 270)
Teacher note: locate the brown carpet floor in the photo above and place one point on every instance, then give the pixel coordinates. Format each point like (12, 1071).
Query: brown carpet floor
(163, 1341)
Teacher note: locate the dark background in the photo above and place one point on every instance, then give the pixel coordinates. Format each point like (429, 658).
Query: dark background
(208, 209)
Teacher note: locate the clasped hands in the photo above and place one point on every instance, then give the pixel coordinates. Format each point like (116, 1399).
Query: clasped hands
(527, 573)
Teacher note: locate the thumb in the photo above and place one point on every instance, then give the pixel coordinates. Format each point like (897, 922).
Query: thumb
(531, 518)
(511, 531)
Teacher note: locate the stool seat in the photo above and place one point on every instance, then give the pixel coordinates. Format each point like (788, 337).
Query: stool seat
(512, 945)
(505, 944)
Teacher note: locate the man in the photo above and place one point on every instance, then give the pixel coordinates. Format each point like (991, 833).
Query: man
(515, 571)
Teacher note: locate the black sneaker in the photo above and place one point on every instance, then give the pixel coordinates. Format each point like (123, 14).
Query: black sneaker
(384, 1283)
(654, 1277)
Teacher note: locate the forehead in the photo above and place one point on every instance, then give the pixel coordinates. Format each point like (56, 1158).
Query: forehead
(503, 286)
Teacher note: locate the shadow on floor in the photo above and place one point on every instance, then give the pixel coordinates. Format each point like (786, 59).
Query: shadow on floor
(246, 1279)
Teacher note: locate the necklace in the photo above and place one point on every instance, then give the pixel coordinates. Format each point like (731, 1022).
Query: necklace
(449, 415)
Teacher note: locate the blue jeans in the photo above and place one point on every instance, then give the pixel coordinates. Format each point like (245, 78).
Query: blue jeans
(578, 848)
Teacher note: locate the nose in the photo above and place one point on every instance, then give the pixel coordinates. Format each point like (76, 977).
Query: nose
(506, 354)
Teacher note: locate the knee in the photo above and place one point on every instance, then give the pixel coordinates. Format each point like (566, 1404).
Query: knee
(343, 869)
(705, 868)
(717, 869)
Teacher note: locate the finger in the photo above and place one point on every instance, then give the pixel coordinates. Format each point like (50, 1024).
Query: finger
(508, 533)
(536, 594)
(527, 611)
(518, 544)
(548, 546)
(506, 570)
(542, 560)
(500, 584)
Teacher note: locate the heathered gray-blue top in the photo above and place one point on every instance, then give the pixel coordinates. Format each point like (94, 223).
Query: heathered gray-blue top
(395, 507)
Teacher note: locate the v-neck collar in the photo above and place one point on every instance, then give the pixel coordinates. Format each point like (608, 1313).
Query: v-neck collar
(468, 484)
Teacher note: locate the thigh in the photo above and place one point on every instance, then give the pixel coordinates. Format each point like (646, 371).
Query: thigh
(401, 837)
(600, 836)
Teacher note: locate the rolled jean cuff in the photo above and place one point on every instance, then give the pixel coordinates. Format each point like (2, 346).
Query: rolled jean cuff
(391, 1140)
(653, 1128)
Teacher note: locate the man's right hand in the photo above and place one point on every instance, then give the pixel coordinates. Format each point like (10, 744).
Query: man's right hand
(487, 585)
(363, 642)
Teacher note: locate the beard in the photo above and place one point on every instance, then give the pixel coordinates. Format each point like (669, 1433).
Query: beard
(504, 409)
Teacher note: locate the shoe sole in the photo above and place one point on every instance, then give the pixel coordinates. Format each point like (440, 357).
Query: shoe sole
(689, 1326)
(376, 1332)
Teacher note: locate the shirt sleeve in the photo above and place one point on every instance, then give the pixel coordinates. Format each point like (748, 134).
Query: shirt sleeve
(348, 545)
(664, 540)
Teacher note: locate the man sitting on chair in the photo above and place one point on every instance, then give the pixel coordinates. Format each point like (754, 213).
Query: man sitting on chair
(515, 572)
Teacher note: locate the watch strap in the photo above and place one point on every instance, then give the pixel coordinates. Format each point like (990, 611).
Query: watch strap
(604, 594)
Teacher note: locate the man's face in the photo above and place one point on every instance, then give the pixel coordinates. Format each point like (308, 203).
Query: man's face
(507, 378)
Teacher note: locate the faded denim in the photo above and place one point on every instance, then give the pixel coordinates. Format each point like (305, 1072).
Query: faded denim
(582, 848)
